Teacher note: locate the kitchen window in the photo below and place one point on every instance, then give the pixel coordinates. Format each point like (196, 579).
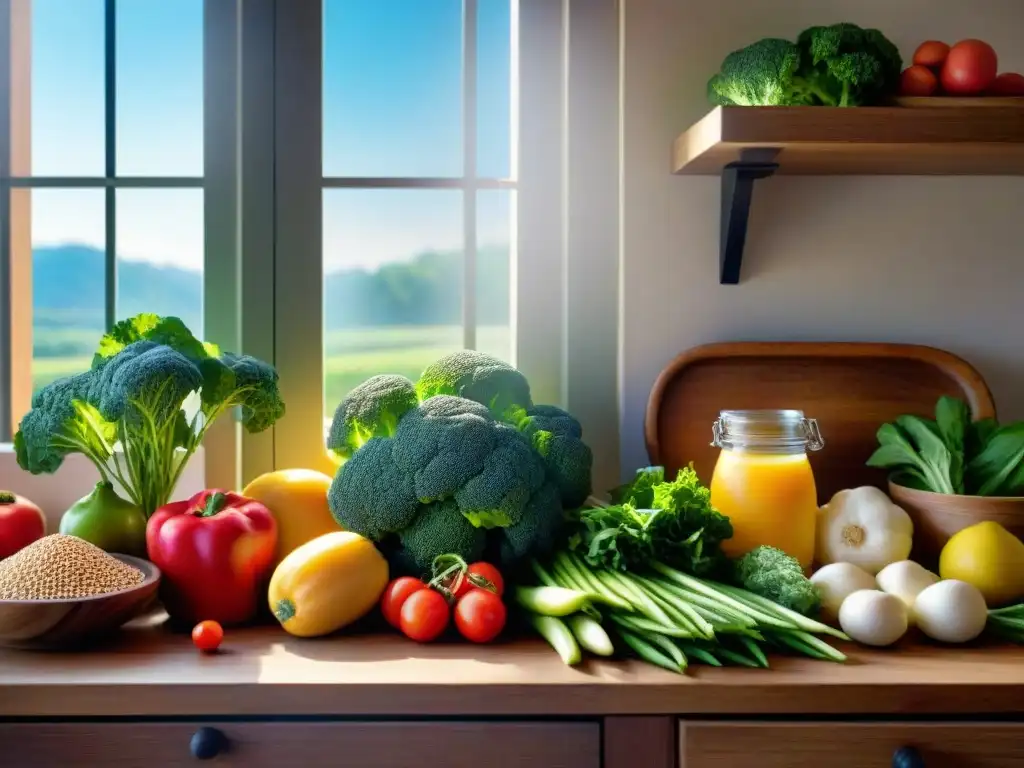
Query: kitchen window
(344, 188)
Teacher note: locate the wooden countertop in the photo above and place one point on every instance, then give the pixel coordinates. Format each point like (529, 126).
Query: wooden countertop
(149, 671)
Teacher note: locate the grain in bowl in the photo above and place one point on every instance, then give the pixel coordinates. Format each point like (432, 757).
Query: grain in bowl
(62, 567)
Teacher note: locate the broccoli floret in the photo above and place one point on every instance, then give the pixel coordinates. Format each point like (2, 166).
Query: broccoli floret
(443, 443)
(145, 383)
(771, 573)
(478, 377)
(538, 530)
(371, 495)
(761, 74)
(512, 472)
(557, 437)
(134, 393)
(441, 527)
(372, 409)
(847, 65)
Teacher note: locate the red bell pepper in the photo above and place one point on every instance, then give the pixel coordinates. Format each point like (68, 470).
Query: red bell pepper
(216, 551)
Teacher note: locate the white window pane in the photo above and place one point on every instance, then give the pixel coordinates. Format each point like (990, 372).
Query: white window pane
(495, 224)
(67, 88)
(159, 88)
(160, 254)
(392, 88)
(68, 274)
(493, 87)
(392, 283)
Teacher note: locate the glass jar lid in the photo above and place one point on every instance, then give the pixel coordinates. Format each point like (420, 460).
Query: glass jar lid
(771, 431)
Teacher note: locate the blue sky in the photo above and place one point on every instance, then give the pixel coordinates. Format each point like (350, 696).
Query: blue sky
(392, 85)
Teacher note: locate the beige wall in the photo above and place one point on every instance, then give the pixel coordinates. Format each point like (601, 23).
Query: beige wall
(927, 260)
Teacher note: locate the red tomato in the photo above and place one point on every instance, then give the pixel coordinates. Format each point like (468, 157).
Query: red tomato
(424, 615)
(485, 571)
(931, 53)
(918, 80)
(21, 523)
(480, 616)
(395, 595)
(1008, 84)
(969, 69)
(207, 635)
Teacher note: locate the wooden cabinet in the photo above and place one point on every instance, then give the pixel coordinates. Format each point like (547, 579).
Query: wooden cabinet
(850, 745)
(308, 744)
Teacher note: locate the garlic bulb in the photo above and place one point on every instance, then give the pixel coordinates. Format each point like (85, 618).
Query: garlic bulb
(862, 526)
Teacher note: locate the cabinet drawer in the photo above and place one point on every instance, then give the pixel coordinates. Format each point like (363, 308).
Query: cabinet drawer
(849, 745)
(277, 744)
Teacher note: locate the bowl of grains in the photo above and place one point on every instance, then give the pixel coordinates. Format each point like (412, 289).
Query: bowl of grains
(61, 592)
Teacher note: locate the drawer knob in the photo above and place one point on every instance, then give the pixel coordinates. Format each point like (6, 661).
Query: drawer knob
(207, 743)
(907, 757)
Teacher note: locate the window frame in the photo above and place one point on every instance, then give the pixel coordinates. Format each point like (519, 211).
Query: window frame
(219, 183)
(565, 245)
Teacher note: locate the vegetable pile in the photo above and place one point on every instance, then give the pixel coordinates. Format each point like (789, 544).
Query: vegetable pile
(664, 616)
(951, 454)
(127, 413)
(461, 462)
(840, 65)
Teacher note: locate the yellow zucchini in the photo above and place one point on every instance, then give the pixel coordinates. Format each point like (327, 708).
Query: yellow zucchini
(327, 583)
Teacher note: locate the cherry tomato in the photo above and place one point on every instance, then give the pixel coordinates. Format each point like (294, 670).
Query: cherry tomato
(395, 595)
(1008, 84)
(484, 570)
(207, 635)
(931, 53)
(424, 615)
(918, 80)
(480, 616)
(969, 69)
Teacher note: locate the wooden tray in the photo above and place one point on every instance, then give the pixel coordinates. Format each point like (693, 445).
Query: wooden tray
(850, 388)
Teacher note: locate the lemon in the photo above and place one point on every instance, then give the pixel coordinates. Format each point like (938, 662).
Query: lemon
(989, 557)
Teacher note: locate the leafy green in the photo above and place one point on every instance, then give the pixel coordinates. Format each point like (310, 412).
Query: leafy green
(654, 519)
(951, 454)
(771, 573)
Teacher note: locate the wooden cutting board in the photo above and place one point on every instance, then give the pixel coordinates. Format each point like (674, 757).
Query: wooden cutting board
(850, 388)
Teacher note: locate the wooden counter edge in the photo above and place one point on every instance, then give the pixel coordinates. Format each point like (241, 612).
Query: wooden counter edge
(505, 700)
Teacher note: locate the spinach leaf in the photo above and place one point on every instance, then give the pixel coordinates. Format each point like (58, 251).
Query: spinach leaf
(978, 435)
(952, 417)
(935, 456)
(989, 471)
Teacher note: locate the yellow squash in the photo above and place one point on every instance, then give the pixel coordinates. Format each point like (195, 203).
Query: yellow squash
(327, 583)
(297, 498)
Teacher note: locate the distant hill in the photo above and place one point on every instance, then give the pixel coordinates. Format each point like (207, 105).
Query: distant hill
(68, 290)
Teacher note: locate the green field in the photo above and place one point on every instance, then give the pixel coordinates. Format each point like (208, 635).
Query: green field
(351, 356)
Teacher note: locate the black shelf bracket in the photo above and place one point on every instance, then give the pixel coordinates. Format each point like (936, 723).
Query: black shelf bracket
(737, 191)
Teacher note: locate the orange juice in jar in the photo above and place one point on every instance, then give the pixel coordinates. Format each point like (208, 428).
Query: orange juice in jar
(763, 481)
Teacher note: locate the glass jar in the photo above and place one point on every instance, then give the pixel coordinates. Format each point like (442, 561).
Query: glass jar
(763, 480)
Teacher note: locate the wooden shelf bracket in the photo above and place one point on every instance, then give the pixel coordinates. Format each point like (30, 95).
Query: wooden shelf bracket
(737, 192)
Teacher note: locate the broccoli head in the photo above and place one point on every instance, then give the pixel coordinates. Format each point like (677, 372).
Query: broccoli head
(476, 376)
(558, 438)
(372, 409)
(771, 573)
(464, 463)
(133, 394)
(761, 74)
(846, 65)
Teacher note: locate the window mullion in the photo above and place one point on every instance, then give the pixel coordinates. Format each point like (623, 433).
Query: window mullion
(110, 160)
(469, 194)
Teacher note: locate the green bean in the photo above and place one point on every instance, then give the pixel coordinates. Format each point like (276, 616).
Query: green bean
(702, 625)
(648, 652)
(755, 650)
(579, 569)
(671, 649)
(641, 624)
(545, 578)
(701, 654)
(719, 596)
(737, 658)
(797, 619)
(642, 602)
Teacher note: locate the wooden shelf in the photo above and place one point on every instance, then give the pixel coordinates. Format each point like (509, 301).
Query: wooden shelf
(744, 144)
(863, 140)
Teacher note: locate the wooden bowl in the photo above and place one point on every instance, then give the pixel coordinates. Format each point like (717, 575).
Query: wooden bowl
(937, 516)
(53, 624)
